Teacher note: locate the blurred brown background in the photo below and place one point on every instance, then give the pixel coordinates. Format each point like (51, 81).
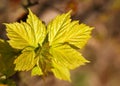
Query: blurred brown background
(103, 49)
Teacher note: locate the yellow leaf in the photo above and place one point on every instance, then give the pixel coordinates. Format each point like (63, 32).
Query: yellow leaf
(25, 34)
(25, 61)
(38, 28)
(57, 27)
(52, 49)
(67, 56)
(60, 71)
(62, 30)
(37, 71)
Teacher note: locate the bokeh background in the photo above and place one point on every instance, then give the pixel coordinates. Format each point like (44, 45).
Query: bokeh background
(103, 49)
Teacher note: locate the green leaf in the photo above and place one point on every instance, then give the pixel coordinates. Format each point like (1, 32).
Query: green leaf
(57, 28)
(25, 61)
(7, 56)
(7, 82)
(60, 71)
(23, 34)
(36, 71)
(67, 56)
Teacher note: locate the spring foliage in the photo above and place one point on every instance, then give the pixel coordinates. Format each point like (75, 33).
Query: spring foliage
(43, 49)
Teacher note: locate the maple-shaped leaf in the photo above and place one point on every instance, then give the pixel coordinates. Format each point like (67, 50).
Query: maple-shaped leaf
(62, 30)
(65, 37)
(49, 49)
(26, 34)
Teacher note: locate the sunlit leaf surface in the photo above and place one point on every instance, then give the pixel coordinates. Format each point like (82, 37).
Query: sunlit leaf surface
(52, 48)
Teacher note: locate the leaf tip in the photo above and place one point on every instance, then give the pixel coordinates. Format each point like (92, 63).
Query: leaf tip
(30, 12)
(36, 71)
